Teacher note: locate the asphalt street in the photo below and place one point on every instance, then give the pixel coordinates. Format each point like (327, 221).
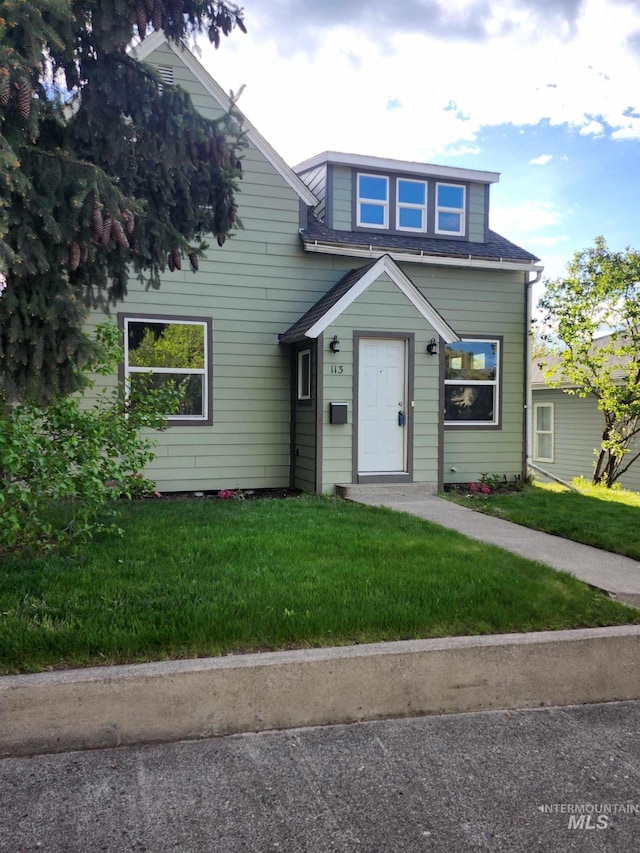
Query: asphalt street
(553, 779)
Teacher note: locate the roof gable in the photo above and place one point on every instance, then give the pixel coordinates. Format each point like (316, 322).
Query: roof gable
(350, 287)
(157, 39)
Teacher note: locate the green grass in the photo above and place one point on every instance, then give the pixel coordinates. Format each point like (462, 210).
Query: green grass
(605, 518)
(207, 577)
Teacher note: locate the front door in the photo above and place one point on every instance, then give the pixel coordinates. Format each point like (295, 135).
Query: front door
(382, 406)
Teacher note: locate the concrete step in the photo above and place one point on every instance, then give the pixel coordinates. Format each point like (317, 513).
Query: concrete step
(385, 491)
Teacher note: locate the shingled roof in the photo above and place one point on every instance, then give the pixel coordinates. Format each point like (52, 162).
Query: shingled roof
(496, 248)
(554, 362)
(349, 287)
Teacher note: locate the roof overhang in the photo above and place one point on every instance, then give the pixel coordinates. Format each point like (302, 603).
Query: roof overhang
(419, 257)
(406, 166)
(155, 40)
(386, 265)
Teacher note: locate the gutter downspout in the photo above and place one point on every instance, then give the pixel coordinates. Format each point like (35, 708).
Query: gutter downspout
(528, 390)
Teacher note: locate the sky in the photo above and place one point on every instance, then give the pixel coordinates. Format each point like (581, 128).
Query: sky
(546, 92)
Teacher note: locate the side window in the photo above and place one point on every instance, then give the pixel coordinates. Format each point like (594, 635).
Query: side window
(373, 201)
(471, 384)
(450, 209)
(304, 374)
(411, 205)
(172, 350)
(543, 439)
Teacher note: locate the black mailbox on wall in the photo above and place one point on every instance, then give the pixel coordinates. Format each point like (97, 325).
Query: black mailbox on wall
(337, 413)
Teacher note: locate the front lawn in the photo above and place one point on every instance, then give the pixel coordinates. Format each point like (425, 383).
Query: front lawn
(206, 577)
(605, 518)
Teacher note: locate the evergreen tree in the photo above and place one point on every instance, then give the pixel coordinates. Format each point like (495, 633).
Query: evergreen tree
(104, 173)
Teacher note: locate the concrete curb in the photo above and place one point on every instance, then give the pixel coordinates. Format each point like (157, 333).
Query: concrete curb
(177, 700)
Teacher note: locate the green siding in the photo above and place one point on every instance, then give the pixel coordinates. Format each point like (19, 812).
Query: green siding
(577, 434)
(342, 210)
(477, 213)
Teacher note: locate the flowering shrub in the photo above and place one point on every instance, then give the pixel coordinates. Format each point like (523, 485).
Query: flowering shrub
(226, 494)
(482, 488)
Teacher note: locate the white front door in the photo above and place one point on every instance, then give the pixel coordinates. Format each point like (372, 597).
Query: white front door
(382, 412)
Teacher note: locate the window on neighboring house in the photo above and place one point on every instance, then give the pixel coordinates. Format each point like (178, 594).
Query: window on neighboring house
(471, 384)
(172, 350)
(411, 205)
(304, 374)
(543, 432)
(373, 201)
(450, 209)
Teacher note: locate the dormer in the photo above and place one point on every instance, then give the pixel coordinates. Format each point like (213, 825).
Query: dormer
(396, 197)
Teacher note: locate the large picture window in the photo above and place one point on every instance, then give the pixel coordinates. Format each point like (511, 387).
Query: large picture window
(171, 350)
(543, 432)
(471, 385)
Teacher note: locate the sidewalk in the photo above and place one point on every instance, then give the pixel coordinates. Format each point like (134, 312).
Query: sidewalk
(618, 576)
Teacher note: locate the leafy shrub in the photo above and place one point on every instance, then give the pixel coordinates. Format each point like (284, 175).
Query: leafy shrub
(78, 455)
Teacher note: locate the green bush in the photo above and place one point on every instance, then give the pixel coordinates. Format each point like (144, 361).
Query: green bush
(75, 456)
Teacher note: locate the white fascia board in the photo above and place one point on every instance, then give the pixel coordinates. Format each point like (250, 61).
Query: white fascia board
(403, 283)
(406, 166)
(156, 40)
(370, 252)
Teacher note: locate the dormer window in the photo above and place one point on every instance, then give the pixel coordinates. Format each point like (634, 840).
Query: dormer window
(411, 205)
(373, 201)
(403, 204)
(450, 205)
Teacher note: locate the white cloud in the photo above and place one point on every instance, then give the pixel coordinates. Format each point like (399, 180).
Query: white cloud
(526, 218)
(542, 160)
(579, 68)
(535, 240)
(592, 128)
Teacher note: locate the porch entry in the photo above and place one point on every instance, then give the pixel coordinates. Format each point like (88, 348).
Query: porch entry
(382, 406)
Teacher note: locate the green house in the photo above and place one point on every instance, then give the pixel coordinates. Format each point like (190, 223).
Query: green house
(366, 325)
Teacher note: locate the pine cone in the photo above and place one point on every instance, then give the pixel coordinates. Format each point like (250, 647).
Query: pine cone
(221, 238)
(142, 19)
(106, 230)
(194, 261)
(97, 225)
(74, 257)
(176, 257)
(118, 234)
(148, 4)
(172, 266)
(24, 98)
(84, 253)
(129, 220)
(5, 86)
(158, 15)
(175, 8)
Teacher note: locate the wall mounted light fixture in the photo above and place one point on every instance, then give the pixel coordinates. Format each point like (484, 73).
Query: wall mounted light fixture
(334, 345)
(432, 347)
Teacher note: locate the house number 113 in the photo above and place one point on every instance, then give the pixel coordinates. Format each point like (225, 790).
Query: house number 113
(337, 368)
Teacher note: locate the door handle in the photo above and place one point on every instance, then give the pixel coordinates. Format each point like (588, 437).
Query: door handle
(401, 419)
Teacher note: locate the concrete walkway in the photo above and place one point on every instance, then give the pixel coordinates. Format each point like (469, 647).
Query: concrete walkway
(618, 576)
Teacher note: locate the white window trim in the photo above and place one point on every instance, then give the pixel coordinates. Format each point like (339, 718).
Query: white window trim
(375, 202)
(404, 205)
(538, 432)
(442, 209)
(178, 371)
(301, 374)
(483, 382)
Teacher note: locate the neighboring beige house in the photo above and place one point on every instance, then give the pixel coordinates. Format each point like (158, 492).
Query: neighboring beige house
(567, 429)
(365, 326)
